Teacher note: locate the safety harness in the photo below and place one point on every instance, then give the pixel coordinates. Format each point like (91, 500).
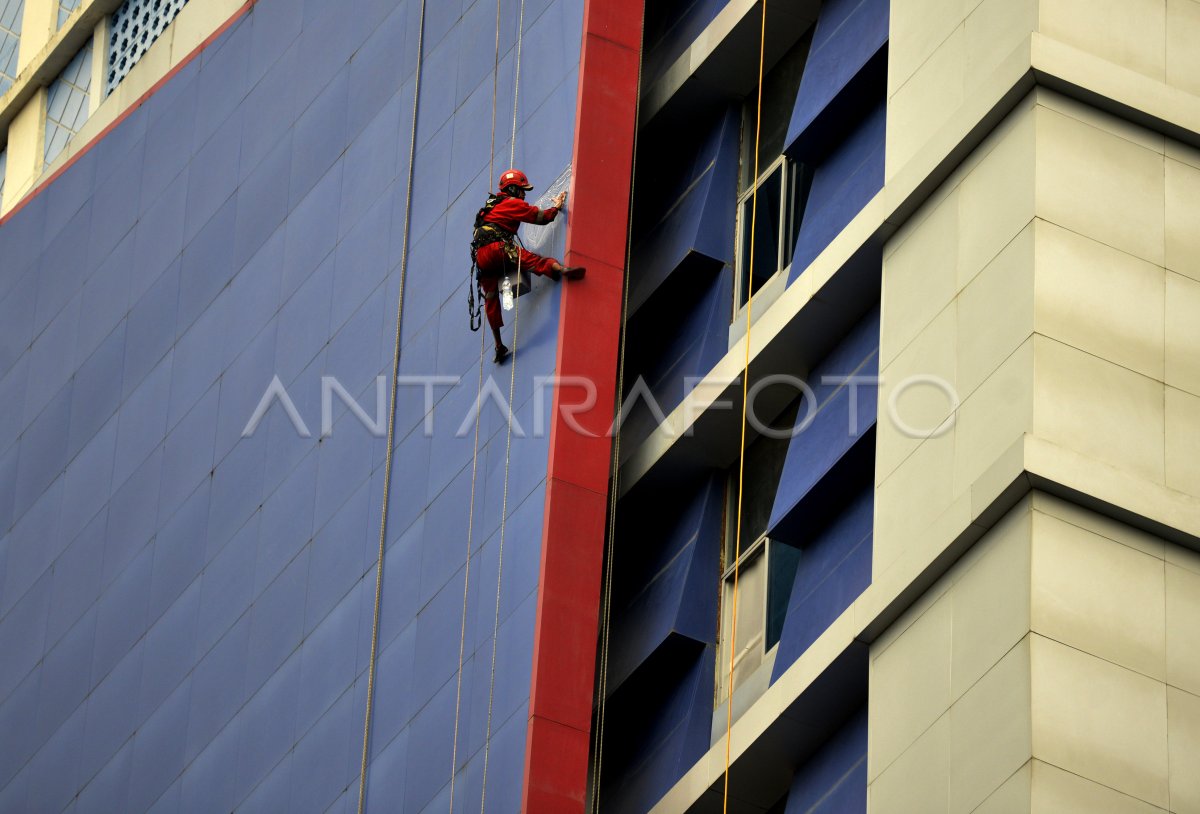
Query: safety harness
(485, 234)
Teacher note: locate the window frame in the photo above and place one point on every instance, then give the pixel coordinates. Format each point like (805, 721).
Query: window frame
(793, 173)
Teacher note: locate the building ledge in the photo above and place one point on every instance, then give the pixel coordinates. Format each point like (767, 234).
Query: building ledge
(839, 286)
(798, 712)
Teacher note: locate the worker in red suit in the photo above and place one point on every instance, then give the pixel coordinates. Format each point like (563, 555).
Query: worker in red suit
(496, 252)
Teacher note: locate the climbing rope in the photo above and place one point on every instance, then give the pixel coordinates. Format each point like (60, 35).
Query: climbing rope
(387, 467)
(737, 550)
(487, 738)
(614, 483)
(462, 637)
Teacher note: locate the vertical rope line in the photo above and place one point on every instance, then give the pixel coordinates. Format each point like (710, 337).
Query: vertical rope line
(391, 433)
(614, 484)
(512, 156)
(512, 384)
(487, 740)
(462, 637)
(737, 550)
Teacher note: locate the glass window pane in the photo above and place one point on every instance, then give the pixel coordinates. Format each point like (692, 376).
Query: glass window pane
(783, 562)
(751, 589)
(766, 222)
(799, 183)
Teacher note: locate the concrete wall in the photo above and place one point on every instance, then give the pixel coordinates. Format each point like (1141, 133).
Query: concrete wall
(1052, 669)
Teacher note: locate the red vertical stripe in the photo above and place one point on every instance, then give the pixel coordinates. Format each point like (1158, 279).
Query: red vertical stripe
(573, 533)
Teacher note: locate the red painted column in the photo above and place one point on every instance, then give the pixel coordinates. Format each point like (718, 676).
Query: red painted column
(573, 535)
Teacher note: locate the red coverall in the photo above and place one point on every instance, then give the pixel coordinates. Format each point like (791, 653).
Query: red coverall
(491, 259)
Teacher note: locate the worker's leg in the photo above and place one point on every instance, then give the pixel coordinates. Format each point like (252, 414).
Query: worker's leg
(537, 264)
(548, 266)
(491, 306)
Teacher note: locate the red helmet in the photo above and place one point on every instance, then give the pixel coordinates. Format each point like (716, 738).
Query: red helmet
(513, 177)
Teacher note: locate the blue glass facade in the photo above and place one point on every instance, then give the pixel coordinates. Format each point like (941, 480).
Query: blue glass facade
(185, 612)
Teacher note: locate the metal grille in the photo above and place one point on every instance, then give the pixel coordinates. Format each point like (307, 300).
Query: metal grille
(134, 28)
(67, 103)
(65, 7)
(11, 12)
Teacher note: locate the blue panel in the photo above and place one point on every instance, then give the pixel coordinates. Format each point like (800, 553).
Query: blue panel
(158, 237)
(209, 189)
(43, 452)
(97, 390)
(150, 328)
(111, 708)
(107, 294)
(286, 522)
(660, 603)
(834, 569)
(54, 772)
(206, 264)
(66, 677)
(179, 553)
(697, 220)
(327, 661)
(270, 107)
(834, 779)
(277, 621)
(88, 483)
(207, 784)
(834, 428)
(319, 138)
(268, 728)
(75, 584)
(222, 84)
(848, 35)
(677, 350)
(311, 229)
(158, 751)
(23, 634)
(50, 360)
(227, 586)
(218, 689)
(131, 516)
(374, 75)
(171, 594)
(843, 183)
(656, 731)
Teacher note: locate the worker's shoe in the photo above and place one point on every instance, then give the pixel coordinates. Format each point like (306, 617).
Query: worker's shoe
(574, 272)
(501, 354)
(555, 274)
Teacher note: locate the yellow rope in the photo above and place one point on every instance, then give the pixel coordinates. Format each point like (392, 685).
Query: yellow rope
(462, 637)
(387, 467)
(614, 485)
(737, 550)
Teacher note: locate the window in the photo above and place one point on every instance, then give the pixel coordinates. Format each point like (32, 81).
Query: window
(11, 12)
(782, 192)
(65, 7)
(3, 164)
(781, 187)
(67, 103)
(766, 567)
(134, 27)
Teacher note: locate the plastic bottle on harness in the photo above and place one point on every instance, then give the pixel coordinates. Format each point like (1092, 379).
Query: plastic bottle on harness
(485, 234)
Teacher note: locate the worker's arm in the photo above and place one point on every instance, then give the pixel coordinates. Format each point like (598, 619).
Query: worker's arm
(526, 213)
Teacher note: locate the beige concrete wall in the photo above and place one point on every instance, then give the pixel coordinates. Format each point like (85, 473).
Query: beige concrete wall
(949, 704)
(1054, 282)
(1053, 669)
(26, 145)
(941, 51)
